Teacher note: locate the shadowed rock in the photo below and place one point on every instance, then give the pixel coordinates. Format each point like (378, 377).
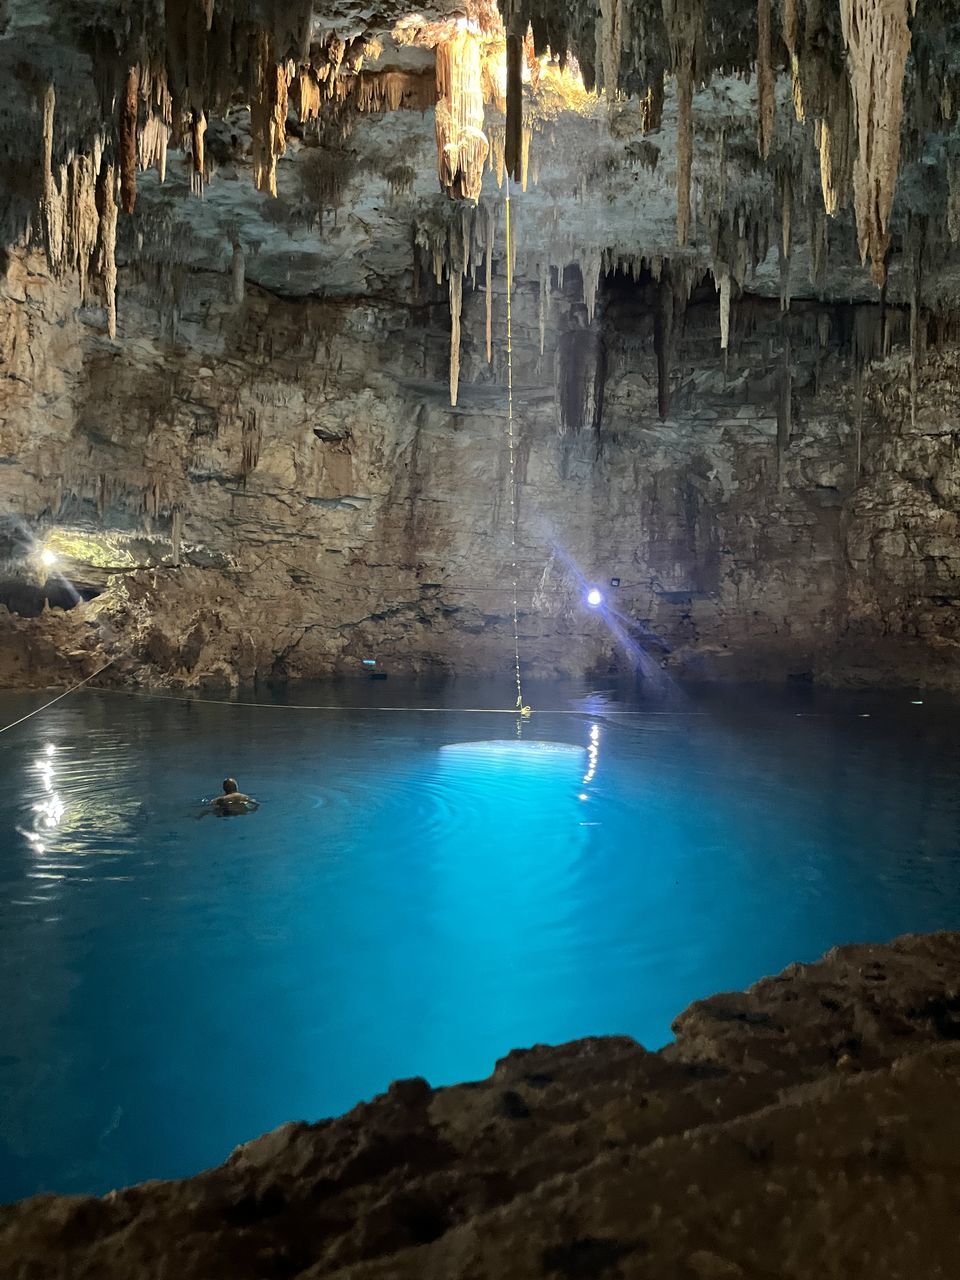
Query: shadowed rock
(806, 1127)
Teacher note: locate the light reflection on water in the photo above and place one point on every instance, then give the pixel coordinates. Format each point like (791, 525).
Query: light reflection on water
(418, 894)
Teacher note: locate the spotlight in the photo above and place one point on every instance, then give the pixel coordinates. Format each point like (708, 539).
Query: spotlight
(594, 598)
(47, 558)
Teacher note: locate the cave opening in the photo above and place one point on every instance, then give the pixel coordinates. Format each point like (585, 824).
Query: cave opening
(27, 599)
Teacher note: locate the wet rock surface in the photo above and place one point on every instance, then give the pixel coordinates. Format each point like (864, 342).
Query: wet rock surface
(807, 1127)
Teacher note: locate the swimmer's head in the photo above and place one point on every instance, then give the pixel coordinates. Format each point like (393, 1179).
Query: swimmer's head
(230, 786)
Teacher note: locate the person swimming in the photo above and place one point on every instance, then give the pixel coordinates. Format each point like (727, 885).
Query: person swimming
(233, 802)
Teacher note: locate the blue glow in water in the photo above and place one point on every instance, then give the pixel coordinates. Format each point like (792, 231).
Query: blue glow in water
(418, 894)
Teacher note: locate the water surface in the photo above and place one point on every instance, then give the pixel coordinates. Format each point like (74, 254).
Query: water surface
(419, 893)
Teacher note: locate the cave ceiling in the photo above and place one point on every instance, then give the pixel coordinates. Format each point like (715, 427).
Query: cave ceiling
(806, 148)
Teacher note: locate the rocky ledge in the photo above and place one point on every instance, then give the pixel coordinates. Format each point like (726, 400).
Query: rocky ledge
(806, 1127)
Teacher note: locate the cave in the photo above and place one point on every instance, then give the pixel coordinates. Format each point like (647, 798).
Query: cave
(479, 572)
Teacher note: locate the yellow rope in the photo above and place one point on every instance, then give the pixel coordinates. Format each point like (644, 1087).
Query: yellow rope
(521, 708)
(361, 708)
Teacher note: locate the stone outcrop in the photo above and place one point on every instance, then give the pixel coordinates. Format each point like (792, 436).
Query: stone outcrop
(805, 1128)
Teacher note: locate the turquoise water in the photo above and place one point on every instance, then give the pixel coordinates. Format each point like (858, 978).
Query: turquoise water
(419, 892)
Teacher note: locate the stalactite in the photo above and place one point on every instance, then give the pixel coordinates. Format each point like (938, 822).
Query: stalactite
(513, 140)
(526, 139)
(821, 92)
(791, 36)
(456, 307)
(83, 225)
(580, 377)
(268, 113)
(53, 206)
(154, 137)
(784, 264)
(489, 281)
(251, 442)
(374, 91)
(917, 241)
(128, 140)
(544, 302)
(176, 535)
(651, 106)
(590, 266)
(108, 237)
(786, 211)
(462, 145)
(684, 23)
(308, 96)
(721, 274)
(877, 36)
(766, 102)
(238, 270)
(610, 44)
(818, 245)
(684, 154)
(198, 127)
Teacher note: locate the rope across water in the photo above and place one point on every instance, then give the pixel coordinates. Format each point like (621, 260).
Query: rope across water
(80, 683)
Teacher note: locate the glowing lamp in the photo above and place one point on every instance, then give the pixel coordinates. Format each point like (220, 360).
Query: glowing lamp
(594, 598)
(47, 558)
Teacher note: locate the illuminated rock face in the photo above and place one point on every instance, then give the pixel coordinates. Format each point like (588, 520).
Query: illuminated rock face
(805, 1124)
(325, 503)
(269, 421)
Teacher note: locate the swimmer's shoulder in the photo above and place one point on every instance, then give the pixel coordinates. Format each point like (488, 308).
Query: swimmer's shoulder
(235, 802)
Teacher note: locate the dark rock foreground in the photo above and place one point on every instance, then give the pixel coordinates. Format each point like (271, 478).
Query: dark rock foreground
(809, 1127)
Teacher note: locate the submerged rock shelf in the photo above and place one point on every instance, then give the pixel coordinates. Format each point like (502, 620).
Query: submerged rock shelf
(805, 1127)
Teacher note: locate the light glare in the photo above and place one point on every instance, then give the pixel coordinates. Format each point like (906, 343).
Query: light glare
(47, 558)
(594, 598)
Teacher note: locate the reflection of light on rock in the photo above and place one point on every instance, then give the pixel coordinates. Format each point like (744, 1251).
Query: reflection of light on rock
(50, 748)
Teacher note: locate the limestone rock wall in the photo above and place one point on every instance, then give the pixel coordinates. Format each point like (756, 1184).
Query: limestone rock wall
(280, 488)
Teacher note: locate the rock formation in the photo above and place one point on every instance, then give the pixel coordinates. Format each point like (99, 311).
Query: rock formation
(253, 338)
(804, 1128)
